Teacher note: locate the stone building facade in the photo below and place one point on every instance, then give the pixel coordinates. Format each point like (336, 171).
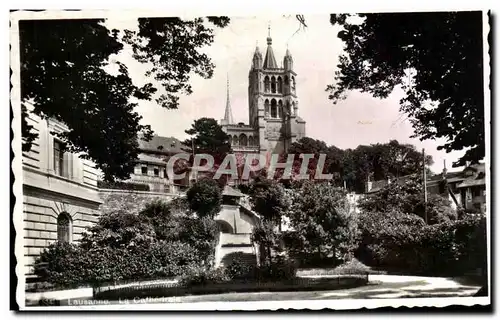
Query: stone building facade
(151, 167)
(60, 196)
(273, 105)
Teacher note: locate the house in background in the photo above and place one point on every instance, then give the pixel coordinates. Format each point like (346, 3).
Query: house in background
(151, 168)
(375, 186)
(60, 195)
(471, 186)
(465, 189)
(150, 172)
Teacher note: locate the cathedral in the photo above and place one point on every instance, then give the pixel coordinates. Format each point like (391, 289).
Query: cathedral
(274, 123)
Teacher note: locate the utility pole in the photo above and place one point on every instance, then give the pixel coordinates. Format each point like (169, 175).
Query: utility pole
(192, 165)
(425, 185)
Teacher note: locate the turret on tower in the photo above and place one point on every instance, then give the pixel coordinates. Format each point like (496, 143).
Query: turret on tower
(257, 59)
(288, 60)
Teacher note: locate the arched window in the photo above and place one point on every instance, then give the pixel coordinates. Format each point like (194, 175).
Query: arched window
(266, 108)
(273, 85)
(288, 108)
(250, 141)
(280, 85)
(280, 109)
(266, 84)
(293, 84)
(243, 140)
(293, 107)
(64, 228)
(274, 111)
(286, 84)
(235, 140)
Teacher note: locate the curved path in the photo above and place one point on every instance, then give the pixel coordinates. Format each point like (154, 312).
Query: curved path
(379, 287)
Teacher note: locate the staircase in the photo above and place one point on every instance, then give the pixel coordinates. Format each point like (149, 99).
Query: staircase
(235, 246)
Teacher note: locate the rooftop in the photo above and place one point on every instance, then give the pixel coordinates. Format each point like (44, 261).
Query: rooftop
(150, 159)
(162, 145)
(230, 191)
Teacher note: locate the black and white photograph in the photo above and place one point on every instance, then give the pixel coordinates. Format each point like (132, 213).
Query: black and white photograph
(176, 161)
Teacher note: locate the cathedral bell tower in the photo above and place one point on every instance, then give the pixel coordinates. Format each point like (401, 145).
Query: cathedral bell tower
(273, 103)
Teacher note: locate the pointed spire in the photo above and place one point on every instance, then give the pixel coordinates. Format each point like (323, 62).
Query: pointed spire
(228, 115)
(269, 39)
(269, 60)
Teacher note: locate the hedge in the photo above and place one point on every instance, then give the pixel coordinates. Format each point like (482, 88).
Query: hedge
(449, 248)
(67, 265)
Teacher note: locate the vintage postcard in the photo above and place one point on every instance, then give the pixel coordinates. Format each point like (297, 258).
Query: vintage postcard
(166, 161)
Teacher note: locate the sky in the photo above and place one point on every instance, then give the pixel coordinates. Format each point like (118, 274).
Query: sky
(358, 120)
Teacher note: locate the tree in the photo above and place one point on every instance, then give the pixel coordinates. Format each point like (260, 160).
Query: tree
(268, 240)
(205, 197)
(64, 78)
(270, 200)
(207, 137)
(407, 197)
(324, 225)
(166, 217)
(444, 94)
(171, 46)
(316, 147)
(380, 162)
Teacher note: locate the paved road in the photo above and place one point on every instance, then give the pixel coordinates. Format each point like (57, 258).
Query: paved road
(380, 287)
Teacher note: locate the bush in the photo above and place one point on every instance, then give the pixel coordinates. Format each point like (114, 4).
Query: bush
(240, 270)
(62, 264)
(404, 243)
(161, 241)
(280, 269)
(201, 276)
(353, 266)
(67, 265)
(119, 229)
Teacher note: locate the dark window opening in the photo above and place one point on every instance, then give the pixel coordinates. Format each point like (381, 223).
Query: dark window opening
(60, 165)
(63, 228)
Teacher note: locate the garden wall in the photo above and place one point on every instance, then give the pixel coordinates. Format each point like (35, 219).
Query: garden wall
(131, 201)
